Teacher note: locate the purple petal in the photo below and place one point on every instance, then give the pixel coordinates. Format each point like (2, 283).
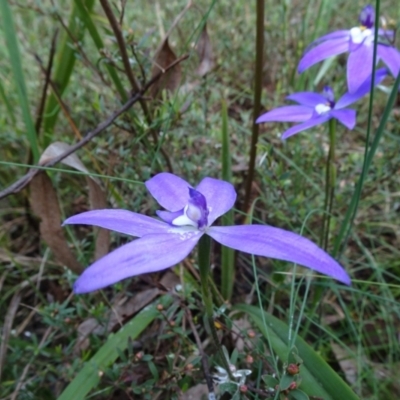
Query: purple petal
(169, 216)
(148, 254)
(309, 99)
(220, 196)
(391, 57)
(322, 51)
(122, 221)
(367, 16)
(170, 191)
(280, 244)
(305, 125)
(329, 36)
(359, 66)
(347, 117)
(364, 88)
(287, 114)
(389, 34)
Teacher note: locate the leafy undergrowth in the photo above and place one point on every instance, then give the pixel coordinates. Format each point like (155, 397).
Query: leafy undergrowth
(49, 334)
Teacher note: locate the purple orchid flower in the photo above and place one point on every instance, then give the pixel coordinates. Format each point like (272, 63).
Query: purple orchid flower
(190, 214)
(315, 108)
(358, 41)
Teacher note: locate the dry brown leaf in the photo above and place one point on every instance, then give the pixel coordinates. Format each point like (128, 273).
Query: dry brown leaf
(44, 203)
(97, 196)
(205, 53)
(169, 81)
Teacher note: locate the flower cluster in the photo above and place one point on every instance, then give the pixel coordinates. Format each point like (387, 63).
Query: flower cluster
(190, 213)
(315, 109)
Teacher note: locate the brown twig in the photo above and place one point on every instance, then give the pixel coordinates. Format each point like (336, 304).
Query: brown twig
(128, 70)
(124, 54)
(24, 181)
(47, 73)
(204, 360)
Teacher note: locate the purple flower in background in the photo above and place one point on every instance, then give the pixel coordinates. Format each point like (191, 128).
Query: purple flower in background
(315, 109)
(190, 214)
(359, 42)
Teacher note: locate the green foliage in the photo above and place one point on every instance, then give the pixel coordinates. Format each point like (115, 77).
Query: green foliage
(89, 375)
(317, 377)
(19, 79)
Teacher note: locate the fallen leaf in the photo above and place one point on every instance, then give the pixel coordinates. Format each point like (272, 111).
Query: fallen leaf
(44, 204)
(97, 196)
(205, 53)
(170, 80)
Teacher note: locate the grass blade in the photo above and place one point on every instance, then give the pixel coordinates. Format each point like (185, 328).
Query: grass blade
(318, 378)
(351, 211)
(88, 377)
(65, 61)
(15, 59)
(91, 27)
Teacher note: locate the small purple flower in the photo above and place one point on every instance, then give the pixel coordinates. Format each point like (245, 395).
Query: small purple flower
(190, 214)
(358, 41)
(315, 109)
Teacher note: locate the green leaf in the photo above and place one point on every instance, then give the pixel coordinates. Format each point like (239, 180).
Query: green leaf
(88, 377)
(318, 378)
(297, 394)
(15, 59)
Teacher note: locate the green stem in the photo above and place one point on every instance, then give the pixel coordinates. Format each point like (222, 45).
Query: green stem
(204, 249)
(330, 181)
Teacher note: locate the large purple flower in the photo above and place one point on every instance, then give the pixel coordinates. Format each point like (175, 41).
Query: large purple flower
(190, 214)
(358, 41)
(315, 108)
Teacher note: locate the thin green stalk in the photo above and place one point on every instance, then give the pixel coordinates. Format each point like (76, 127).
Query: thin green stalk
(368, 153)
(257, 99)
(227, 254)
(352, 209)
(204, 249)
(330, 181)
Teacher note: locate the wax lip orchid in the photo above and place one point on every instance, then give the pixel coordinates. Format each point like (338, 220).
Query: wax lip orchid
(190, 214)
(359, 42)
(315, 109)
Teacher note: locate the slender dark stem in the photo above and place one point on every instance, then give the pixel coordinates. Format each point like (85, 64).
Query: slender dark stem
(352, 210)
(330, 181)
(40, 110)
(204, 249)
(129, 73)
(204, 360)
(257, 100)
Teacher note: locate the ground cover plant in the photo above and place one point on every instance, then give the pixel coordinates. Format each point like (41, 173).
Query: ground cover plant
(194, 102)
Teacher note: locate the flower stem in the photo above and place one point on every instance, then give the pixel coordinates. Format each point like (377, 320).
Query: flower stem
(257, 100)
(204, 248)
(330, 182)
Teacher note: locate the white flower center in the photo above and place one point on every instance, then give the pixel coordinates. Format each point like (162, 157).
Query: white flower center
(358, 35)
(322, 108)
(188, 218)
